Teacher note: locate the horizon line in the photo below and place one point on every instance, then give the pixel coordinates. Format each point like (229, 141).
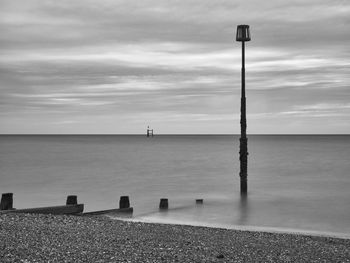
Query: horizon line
(170, 134)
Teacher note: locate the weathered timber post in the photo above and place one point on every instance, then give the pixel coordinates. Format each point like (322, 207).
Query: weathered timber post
(243, 35)
(6, 201)
(199, 201)
(72, 200)
(163, 203)
(124, 202)
(149, 132)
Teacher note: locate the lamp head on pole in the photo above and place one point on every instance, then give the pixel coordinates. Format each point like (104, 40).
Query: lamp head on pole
(243, 33)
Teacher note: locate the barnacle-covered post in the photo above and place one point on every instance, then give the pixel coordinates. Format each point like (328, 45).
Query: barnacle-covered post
(243, 35)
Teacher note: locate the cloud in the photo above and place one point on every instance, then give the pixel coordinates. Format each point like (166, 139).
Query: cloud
(116, 61)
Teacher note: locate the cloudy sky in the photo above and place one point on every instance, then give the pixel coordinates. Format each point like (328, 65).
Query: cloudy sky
(116, 66)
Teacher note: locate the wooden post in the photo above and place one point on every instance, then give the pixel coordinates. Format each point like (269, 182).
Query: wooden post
(243, 141)
(199, 201)
(163, 203)
(149, 132)
(72, 200)
(6, 201)
(124, 202)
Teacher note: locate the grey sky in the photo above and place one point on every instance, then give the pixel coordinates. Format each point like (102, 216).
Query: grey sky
(112, 66)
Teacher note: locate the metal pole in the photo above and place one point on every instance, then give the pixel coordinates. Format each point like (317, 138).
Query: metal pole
(243, 145)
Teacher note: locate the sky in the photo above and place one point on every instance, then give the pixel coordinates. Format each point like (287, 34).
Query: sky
(117, 66)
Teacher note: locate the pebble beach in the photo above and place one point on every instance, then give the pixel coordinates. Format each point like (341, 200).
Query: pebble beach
(49, 238)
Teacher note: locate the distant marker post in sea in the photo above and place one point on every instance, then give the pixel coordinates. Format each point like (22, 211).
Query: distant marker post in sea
(243, 35)
(149, 132)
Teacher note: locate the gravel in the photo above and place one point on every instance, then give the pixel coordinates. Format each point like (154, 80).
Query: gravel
(49, 238)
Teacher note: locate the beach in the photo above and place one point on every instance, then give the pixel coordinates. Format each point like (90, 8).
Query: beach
(49, 238)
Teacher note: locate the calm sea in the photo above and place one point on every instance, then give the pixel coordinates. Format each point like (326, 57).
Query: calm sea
(298, 183)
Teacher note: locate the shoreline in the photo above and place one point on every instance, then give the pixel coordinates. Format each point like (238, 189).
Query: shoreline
(265, 229)
(43, 238)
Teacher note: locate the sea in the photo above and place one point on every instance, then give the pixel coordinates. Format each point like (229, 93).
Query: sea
(296, 183)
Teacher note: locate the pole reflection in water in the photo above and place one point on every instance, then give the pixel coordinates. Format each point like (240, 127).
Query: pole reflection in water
(243, 210)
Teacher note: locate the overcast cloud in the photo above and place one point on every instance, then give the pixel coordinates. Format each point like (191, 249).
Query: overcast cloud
(111, 66)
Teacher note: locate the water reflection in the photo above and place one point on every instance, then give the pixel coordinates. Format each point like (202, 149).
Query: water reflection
(243, 210)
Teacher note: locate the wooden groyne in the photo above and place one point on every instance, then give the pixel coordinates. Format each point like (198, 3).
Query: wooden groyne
(109, 211)
(73, 208)
(54, 210)
(124, 207)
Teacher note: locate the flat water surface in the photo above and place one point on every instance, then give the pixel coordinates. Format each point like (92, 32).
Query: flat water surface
(294, 182)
